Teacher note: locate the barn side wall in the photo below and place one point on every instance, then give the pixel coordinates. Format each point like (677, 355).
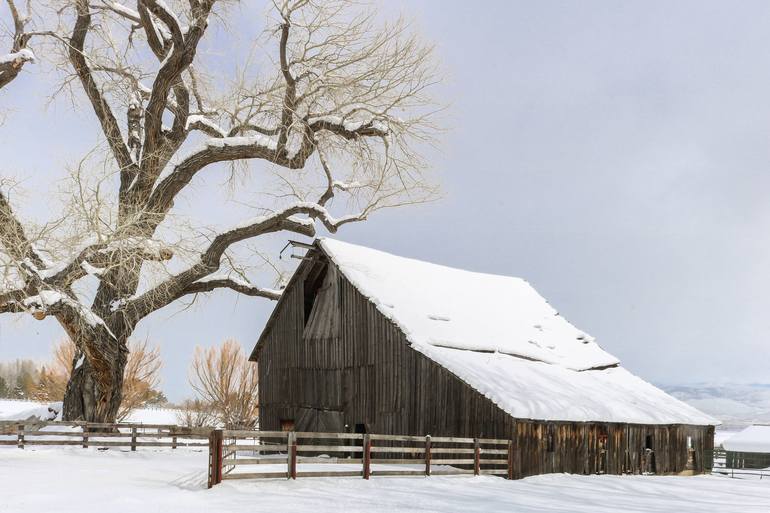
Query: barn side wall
(367, 377)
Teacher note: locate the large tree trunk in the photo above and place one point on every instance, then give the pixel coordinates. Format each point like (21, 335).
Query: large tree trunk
(89, 398)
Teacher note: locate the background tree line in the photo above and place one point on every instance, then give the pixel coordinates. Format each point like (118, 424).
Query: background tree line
(47, 382)
(224, 381)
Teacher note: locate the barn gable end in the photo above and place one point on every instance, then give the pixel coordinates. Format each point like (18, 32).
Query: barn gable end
(352, 368)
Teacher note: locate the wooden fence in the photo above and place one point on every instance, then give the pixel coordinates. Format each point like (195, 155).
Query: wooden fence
(739, 464)
(85, 434)
(289, 455)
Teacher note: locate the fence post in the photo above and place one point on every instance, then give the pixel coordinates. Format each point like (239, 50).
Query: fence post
(85, 437)
(211, 458)
(215, 457)
(133, 439)
(427, 455)
(476, 457)
(173, 442)
(20, 436)
(510, 459)
(367, 456)
(291, 444)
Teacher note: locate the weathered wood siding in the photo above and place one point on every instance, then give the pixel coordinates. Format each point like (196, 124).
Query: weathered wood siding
(369, 375)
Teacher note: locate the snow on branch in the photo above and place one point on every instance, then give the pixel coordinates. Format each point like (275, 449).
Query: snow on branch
(122, 10)
(12, 62)
(148, 249)
(17, 59)
(205, 125)
(239, 285)
(51, 301)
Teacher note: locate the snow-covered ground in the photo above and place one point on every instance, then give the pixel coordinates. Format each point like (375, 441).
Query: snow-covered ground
(12, 409)
(87, 480)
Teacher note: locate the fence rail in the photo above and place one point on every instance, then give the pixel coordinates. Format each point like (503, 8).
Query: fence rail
(87, 434)
(244, 454)
(289, 455)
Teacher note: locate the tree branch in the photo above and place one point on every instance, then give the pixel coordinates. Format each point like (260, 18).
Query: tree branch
(13, 238)
(242, 288)
(10, 302)
(176, 61)
(101, 107)
(227, 149)
(210, 260)
(12, 63)
(290, 95)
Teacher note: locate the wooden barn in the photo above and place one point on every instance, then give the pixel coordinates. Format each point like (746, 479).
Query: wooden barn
(366, 341)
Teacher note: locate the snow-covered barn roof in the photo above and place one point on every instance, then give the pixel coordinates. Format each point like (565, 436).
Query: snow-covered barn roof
(501, 337)
(751, 439)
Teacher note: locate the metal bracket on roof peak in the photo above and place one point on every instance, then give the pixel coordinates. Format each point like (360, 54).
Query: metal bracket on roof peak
(296, 244)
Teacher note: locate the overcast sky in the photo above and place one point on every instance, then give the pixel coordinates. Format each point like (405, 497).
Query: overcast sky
(613, 154)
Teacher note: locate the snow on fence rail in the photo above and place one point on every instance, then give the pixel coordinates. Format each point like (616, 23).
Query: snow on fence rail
(88, 434)
(288, 455)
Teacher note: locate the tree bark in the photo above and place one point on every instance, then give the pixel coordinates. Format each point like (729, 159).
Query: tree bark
(88, 399)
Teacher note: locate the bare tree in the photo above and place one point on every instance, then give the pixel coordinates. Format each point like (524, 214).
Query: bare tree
(334, 113)
(12, 62)
(226, 380)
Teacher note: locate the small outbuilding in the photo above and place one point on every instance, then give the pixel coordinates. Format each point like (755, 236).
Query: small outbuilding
(749, 448)
(370, 342)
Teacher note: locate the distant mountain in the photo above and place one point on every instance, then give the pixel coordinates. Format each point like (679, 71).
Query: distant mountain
(736, 405)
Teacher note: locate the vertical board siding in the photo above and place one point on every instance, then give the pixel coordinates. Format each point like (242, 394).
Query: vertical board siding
(370, 375)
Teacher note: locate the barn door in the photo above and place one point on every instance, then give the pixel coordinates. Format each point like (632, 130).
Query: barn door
(648, 456)
(306, 420)
(330, 421)
(319, 421)
(602, 450)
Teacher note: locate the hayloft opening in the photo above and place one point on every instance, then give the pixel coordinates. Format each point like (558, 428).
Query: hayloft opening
(312, 284)
(321, 309)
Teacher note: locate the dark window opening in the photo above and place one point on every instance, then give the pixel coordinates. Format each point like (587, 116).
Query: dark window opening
(360, 428)
(287, 424)
(551, 439)
(648, 442)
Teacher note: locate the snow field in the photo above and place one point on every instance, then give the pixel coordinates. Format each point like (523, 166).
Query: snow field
(89, 481)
